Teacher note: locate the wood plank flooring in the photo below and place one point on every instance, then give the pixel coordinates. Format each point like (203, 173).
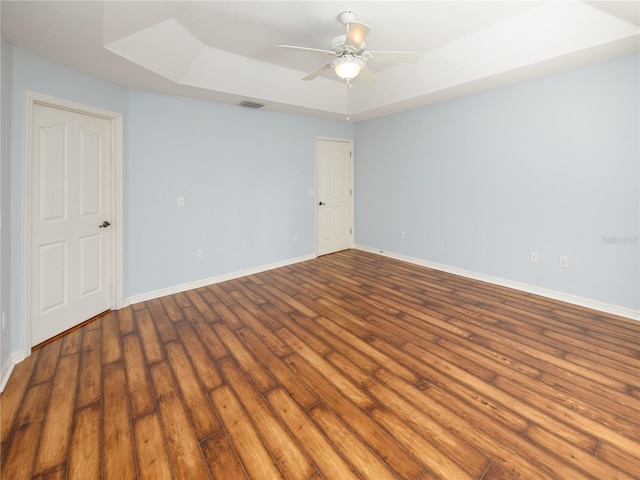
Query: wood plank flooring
(351, 365)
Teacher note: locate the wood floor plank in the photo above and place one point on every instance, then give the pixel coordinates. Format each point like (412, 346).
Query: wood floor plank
(151, 454)
(117, 453)
(263, 330)
(422, 448)
(141, 397)
(211, 340)
(363, 460)
(350, 365)
(620, 460)
(202, 362)
(163, 325)
(379, 356)
(289, 457)
(173, 309)
(18, 463)
(111, 348)
(15, 390)
(356, 394)
(546, 397)
(126, 322)
(434, 424)
(90, 378)
(332, 340)
(54, 439)
(396, 456)
(201, 305)
(71, 342)
(84, 451)
(45, 367)
(151, 344)
(577, 457)
(279, 369)
(59, 472)
(222, 458)
(221, 308)
(182, 445)
(255, 457)
(263, 380)
(504, 398)
(484, 403)
(199, 408)
(315, 444)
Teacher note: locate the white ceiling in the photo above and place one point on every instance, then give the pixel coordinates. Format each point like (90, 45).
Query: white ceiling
(225, 51)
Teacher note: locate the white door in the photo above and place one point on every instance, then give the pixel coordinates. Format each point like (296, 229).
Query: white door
(335, 189)
(70, 239)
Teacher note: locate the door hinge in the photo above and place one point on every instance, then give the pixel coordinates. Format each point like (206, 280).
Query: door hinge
(350, 192)
(351, 231)
(350, 154)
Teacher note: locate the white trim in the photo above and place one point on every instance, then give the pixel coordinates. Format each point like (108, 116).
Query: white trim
(6, 373)
(14, 359)
(117, 232)
(315, 204)
(143, 297)
(525, 287)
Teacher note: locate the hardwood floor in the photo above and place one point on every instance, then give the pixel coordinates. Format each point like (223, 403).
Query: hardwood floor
(351, 365)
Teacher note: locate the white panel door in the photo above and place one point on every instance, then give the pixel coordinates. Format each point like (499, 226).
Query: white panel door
(71, 242)
(334, 189)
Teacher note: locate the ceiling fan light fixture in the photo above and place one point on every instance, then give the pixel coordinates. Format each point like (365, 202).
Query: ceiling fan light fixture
(347, 66)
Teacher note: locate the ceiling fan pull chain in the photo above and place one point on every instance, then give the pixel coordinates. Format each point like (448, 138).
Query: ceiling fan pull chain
(348, 99)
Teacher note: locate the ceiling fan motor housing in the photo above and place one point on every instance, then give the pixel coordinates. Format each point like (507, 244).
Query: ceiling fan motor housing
(339, 47)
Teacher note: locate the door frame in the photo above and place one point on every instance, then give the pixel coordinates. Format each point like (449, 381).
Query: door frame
(116, 171)
(315, 205)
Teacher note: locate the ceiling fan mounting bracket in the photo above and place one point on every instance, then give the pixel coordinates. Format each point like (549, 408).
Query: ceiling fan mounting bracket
(347, 17)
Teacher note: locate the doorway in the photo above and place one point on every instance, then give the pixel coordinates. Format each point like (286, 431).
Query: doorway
(334, 186)
(73, 234)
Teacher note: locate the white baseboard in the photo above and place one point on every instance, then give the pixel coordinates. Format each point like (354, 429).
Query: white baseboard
(143, 297)
(544, 292)
(6, 373)
(14, 359)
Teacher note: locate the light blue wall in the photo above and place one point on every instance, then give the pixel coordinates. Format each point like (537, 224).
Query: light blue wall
(244, 175)
(478, 182)
(5, 191)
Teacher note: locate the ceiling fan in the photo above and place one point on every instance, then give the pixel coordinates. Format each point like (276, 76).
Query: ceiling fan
(351, 55)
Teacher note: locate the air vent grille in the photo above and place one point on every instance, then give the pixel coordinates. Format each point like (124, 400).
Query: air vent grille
(248, 104)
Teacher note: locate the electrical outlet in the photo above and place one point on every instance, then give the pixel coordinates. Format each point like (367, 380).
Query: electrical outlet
(402, 235)
(564, 261)
(534, 257)
(199, 255)
(181, 201)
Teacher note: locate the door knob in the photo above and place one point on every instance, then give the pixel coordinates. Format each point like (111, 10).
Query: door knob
(322, 203)
(105, 224)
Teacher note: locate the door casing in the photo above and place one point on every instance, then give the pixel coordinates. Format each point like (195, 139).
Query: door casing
(117, 234)
(351, 206)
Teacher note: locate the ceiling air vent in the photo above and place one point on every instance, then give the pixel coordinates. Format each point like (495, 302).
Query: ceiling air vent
(248, 104)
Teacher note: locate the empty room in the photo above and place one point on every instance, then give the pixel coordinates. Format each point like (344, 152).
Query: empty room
(320, 240)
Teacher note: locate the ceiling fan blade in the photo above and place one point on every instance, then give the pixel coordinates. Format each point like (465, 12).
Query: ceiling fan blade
(394, 57)
(356, 33)
(317, 72)
(367, 76)
(307, 49)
